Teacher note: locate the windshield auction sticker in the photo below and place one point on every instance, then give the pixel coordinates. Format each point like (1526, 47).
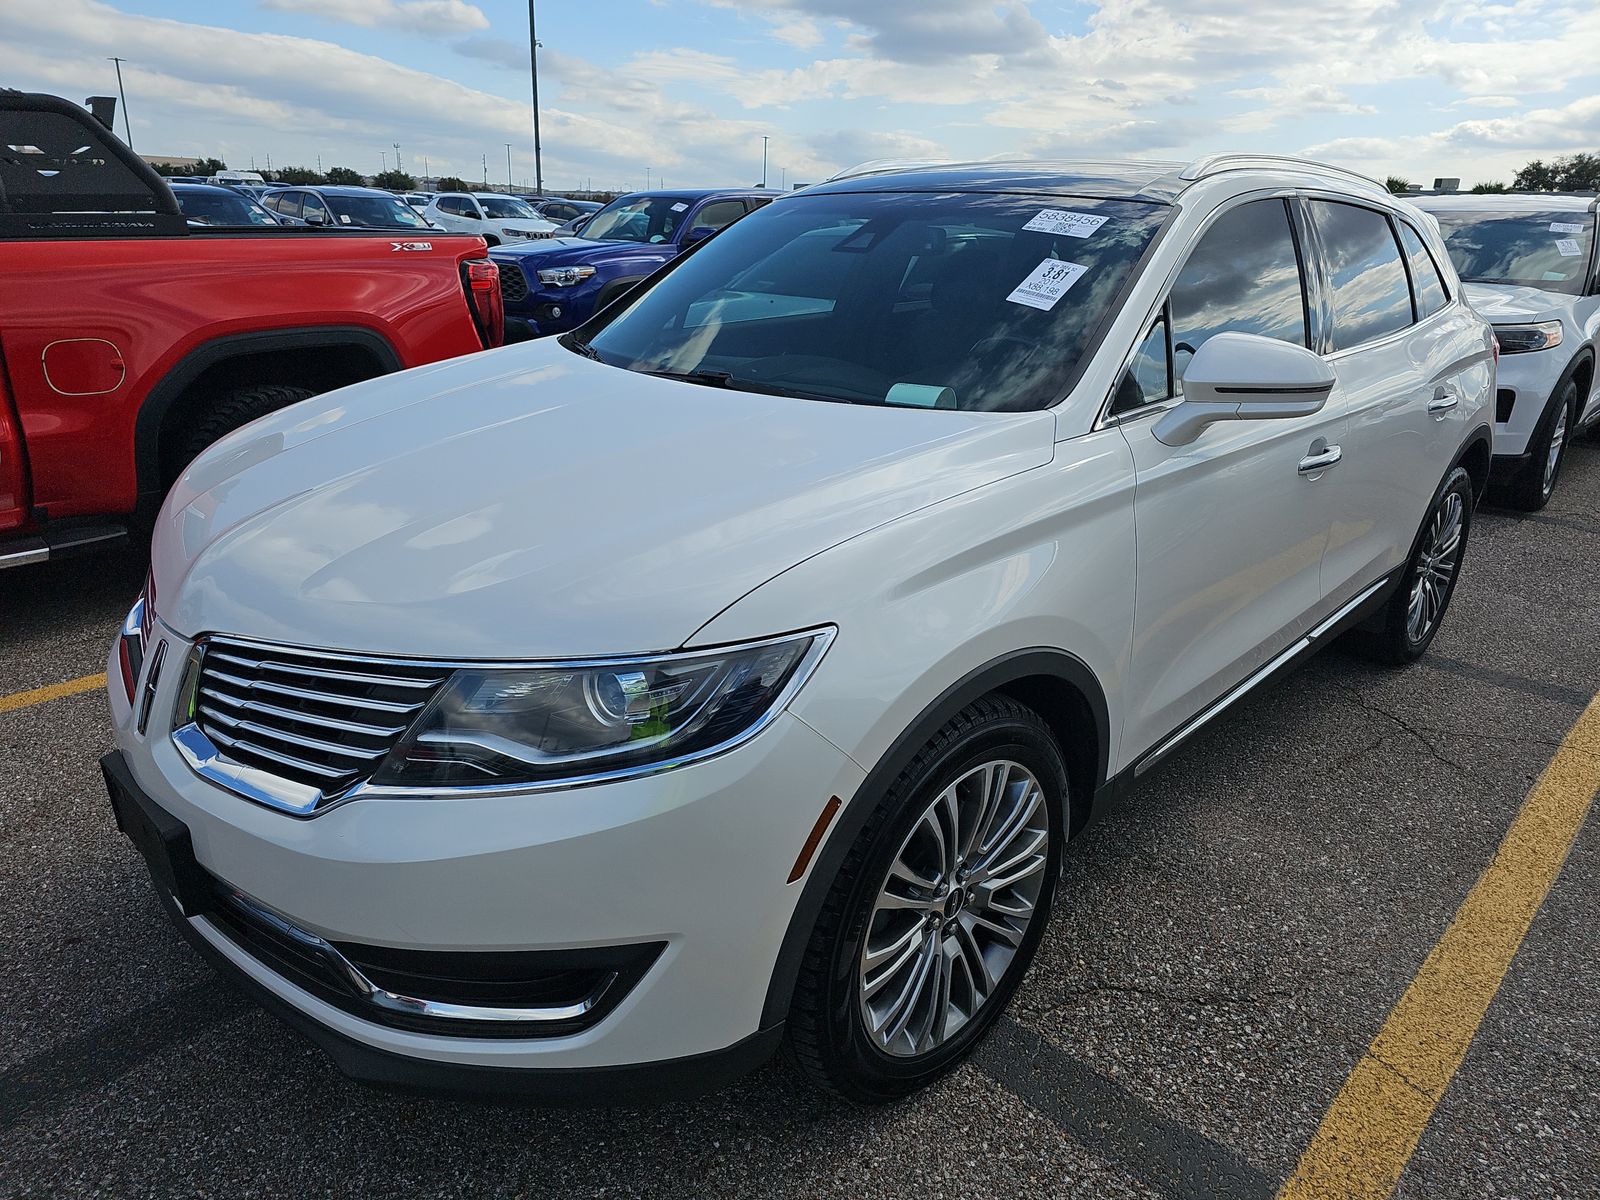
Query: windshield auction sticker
(1059, 220)
(1565, 227)
(1568, 247)
(1047, 283)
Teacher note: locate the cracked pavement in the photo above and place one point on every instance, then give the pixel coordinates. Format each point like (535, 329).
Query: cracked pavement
(1227, 942)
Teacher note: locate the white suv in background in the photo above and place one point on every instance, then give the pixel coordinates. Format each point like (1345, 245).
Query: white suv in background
(586, 717)
(1531, 264)
(495, 218)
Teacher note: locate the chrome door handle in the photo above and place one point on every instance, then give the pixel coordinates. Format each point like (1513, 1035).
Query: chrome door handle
(1443, 400)
(1321, 460)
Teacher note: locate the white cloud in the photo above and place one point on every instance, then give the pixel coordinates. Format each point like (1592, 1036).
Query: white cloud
(413, 16)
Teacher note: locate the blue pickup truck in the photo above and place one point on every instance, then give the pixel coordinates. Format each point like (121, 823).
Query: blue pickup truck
(553, 285)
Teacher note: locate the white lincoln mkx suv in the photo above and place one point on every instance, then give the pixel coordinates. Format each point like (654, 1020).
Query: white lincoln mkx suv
(592, 715)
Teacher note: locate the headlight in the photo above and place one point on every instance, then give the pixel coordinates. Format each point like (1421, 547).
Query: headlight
(572, 722)
(565, 276)
(131, 642)
(1519, 339)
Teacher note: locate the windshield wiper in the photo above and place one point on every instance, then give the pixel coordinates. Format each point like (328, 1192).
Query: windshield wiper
(719, 379)
(726, 379)
(582, 348)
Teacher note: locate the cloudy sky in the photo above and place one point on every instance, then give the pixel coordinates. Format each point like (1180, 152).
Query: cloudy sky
(686, 88)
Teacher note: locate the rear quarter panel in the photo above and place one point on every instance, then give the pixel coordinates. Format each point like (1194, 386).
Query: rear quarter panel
(157, 300)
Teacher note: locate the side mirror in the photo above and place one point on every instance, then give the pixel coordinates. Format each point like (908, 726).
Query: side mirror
(1244, 377)
(698, 234)
(316, 218)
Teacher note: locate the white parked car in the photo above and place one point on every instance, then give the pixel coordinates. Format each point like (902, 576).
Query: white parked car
(498, 219)
(1531, 264)
(587, 716)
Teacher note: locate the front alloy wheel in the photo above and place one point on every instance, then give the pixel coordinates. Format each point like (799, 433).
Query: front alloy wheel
(936, 909)
(954, 907)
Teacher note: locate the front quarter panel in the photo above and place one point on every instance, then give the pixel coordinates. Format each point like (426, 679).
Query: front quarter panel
(1043, 559)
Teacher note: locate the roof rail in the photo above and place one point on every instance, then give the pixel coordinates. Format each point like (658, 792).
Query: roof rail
(1215, 164)
(884, 166)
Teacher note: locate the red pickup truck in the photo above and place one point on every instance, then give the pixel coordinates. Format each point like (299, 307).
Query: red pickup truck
(130, 340)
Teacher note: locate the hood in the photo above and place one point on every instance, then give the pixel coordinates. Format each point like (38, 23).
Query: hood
(528, 503)
(559, 252)
(527, 224)
(1503, 303)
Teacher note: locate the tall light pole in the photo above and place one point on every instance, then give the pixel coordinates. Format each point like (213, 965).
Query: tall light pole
(396, 146)
(127, 126)
(533, 62)
(764, 140)
(508, 169)
(383, 158)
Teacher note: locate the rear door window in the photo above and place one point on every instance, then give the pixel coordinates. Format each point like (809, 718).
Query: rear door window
(1427, 288)
(1371, 297)
(289, 203)
(1243, 277)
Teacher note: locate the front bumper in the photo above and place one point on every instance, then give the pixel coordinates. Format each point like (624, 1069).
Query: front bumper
(1523, 386)
(693, 861)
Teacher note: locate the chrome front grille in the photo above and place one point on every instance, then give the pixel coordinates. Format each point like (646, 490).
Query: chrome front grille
(321, 720)
(513, 283)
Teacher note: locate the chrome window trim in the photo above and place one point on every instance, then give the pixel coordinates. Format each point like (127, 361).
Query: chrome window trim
(207, 760)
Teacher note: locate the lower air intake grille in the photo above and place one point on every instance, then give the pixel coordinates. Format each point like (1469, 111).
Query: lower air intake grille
(1504, 400)
(323, 720)
(513, 283)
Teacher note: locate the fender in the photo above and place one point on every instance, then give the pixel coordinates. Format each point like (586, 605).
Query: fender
(1481, 435)
(994, 676)
(159, 399)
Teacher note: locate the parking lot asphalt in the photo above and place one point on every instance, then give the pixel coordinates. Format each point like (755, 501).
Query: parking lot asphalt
(1227, 943)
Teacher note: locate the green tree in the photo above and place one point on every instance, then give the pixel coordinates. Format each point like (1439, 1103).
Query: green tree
(203, 166)
(1579, 173)
(299, 175)
(345, 175)
(395, 181)
(1397, 185)
(1537, 176)
(449, 183)
(1488, 189)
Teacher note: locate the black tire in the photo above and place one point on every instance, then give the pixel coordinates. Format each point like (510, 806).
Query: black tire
(1394, 641)
(1536, 481)
(490, 240)
(827, 1038)
(233, 410)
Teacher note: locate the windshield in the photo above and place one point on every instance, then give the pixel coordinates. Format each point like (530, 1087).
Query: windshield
(1540, 249)
(977, 302)
(383, 212)
(507, 208)
(221, 208)
(638, 219)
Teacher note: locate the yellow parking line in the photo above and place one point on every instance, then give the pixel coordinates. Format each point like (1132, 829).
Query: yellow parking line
(1369, 1133)
(54, 691)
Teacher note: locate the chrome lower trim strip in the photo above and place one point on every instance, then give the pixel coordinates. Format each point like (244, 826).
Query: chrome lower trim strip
(1299, 647)
(412, 1005)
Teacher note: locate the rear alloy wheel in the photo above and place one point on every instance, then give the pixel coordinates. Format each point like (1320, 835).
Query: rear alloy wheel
(1533, 487)
(1417, 607)
(937, 908)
